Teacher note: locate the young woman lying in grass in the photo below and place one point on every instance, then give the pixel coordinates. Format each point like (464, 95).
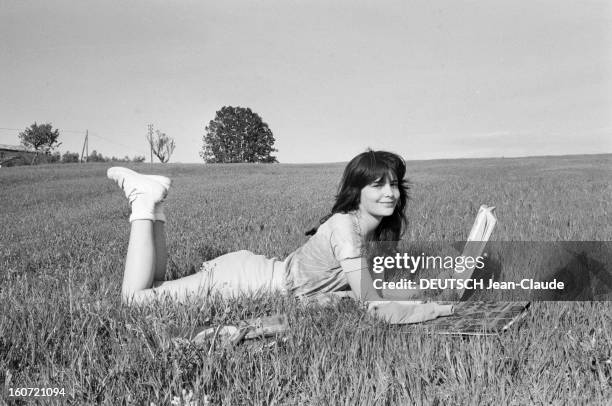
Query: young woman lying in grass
(369, 207)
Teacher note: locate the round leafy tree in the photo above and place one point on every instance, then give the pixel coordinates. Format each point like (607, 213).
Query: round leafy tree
(40, 138)
(237, 134)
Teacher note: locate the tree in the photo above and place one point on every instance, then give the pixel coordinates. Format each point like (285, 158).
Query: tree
(97, 157)
(237, 135)
(70, 157)
(40, 138)
(53, 157)
(161, 145)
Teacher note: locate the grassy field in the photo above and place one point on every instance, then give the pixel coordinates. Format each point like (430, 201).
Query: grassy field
(64, 237)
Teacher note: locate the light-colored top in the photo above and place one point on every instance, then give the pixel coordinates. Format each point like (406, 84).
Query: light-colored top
(315, 267)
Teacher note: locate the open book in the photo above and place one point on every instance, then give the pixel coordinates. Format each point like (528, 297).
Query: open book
(477, 240)
(478, 318)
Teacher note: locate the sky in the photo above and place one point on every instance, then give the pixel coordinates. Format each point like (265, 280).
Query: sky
(426, 79)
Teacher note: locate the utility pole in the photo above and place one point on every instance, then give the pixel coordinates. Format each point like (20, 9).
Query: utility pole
(85, 147)
(151, 140)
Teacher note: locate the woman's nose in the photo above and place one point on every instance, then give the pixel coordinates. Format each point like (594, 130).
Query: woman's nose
(387, 189)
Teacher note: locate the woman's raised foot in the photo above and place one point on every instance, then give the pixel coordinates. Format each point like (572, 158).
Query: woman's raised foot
(152, 187)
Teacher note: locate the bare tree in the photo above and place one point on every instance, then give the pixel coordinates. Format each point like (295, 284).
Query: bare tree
(161, 145)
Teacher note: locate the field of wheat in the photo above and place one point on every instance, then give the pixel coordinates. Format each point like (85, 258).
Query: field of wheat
(64, 237)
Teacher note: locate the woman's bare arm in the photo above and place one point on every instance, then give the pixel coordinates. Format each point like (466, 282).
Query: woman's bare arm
(362, 285)
(398, 308)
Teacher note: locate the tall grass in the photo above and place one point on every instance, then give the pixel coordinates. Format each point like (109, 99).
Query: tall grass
(63, 241)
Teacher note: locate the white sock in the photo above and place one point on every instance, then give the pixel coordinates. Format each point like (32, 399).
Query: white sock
(142, 209)
(158, 212)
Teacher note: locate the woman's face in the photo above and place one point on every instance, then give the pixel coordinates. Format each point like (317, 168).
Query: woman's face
(379, 198)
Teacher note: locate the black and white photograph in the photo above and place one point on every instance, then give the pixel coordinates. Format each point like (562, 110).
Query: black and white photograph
(305, 202)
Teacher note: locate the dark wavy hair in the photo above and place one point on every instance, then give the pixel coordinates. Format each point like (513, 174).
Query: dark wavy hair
(365, 169)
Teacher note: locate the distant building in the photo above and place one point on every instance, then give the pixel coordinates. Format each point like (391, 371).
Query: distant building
(14, 155)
